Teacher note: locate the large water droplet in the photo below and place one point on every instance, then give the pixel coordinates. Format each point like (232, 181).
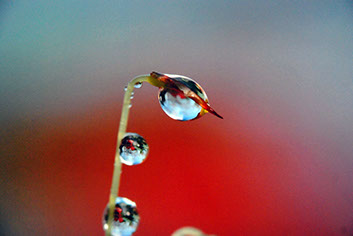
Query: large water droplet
(138, 85)
(126, 218)
(176, 94)
(176, 101)
(177, 106)
(133, 149)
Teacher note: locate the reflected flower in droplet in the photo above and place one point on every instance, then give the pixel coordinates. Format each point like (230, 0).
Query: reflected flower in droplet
(181, 98)
(126, 218)
(133, 149)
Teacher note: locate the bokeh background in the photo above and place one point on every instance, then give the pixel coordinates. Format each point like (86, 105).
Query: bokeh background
(280, 72)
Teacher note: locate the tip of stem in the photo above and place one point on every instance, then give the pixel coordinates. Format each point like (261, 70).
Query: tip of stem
(215, 113)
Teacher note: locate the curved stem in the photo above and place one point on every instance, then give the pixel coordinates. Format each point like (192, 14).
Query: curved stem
(114, 191)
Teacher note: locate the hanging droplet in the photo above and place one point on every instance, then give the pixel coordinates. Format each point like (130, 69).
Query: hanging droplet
(130, 105)
(132, 95)
(181, 98)
(176, 99)
(125, 88)
(133, 149)
(138, 85)
(126, 218)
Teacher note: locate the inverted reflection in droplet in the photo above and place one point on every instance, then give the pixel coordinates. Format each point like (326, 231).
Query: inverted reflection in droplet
(176, 99)
(133, 149)
(126, 218)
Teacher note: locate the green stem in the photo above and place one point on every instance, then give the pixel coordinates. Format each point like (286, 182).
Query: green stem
(114, 191)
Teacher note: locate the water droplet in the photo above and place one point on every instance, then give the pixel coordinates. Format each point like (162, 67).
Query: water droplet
(126, 218)
(176, 100)
(132, 95)
(181, 97)
(188, 231)
(130, 105)
(138, 85)
(125, 88)
(133, 149)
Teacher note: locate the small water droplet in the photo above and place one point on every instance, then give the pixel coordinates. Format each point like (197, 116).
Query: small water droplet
(132, 95)
(138, 85)
(133, 149)
(125, 88)
(176, 104)
(130, 105)
(188, 231)
(126, 218)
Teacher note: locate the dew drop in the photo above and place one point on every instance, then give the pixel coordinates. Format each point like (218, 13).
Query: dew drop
(175, 102)
(188, 231)
(125, 88)
(133, 149)
(138, 85)
(130, 105)
(126, 218)
(132, 95)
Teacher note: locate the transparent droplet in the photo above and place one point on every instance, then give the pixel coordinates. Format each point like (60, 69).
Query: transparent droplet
(176, 95)
(138, 85)
(176, 100)
(133, 149)
(188, 231)
(132, 95)
(125, 88)
(130, 105)
(126, 218)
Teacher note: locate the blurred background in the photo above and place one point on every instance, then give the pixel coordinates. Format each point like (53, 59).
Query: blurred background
(280, 72)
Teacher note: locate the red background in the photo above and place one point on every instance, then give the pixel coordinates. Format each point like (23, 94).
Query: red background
(279, 72)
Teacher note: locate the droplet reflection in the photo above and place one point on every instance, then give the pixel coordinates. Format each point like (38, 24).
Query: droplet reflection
(176, 99)
(126, 218)
(178, 107)
(175, 96)
(133, 149)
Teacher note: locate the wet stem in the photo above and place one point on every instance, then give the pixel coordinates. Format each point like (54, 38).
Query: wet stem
(114, 191)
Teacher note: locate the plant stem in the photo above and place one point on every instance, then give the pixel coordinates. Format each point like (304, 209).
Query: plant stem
(114, 191)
